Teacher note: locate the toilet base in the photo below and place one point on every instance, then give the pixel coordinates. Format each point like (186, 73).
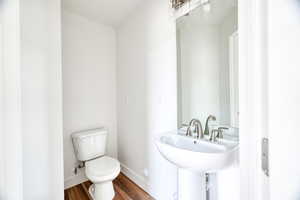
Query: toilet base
(102, 191)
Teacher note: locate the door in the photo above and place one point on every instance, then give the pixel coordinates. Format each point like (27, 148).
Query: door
(270, 96)
(284, 98)
(253, 95)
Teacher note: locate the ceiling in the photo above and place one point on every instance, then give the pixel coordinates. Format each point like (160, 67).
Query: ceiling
(110, 12)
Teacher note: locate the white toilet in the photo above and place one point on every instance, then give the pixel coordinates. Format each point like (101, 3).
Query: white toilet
(101, 170)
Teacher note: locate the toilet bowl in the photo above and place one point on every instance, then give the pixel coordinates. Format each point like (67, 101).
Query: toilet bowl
(101, 170)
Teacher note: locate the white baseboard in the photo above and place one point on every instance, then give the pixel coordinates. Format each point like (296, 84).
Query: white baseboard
(75, 180)
(136, 178)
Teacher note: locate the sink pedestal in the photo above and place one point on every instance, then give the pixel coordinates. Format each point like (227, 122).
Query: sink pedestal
(191, 185)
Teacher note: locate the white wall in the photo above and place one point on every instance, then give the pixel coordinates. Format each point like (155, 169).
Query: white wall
(2, 154)
(32, 104)
(147, 95)
(89, 83)
(41, 94)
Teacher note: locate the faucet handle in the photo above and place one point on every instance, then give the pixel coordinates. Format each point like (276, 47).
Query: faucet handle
(223, 128)
(220, 131)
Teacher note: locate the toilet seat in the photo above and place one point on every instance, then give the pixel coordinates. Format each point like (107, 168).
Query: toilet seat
(102, 169)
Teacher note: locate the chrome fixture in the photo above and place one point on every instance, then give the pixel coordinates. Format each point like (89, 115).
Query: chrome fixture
(217, 133)
(177, 3)
(78, 166)
(220, 131)
(209, 118)
(207, 184)
(197, 128)
(188, 131)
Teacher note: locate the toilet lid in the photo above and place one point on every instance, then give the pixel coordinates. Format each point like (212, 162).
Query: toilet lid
(102, 166)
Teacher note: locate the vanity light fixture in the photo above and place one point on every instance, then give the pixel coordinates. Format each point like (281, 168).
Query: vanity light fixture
(177, 4)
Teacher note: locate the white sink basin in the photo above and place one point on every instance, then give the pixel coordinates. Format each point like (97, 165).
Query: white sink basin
(197, 155)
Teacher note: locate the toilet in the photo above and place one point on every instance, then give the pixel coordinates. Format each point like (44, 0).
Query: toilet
(101, 170)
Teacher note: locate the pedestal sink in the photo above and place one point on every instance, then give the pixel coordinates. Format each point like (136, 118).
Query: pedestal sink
(195, 158)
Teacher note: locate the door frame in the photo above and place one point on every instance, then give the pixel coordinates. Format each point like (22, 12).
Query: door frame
(10, 103)
(253, 96)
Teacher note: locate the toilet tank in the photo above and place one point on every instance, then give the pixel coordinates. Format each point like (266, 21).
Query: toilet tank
(89, 144)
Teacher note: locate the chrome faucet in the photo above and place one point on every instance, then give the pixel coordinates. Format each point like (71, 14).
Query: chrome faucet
(198, 128)
(209, 118)
(188, 131)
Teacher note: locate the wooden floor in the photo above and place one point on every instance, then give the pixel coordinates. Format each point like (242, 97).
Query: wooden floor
(125, 190)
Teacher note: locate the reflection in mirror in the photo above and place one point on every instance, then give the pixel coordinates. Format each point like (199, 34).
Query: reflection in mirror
(207, 48)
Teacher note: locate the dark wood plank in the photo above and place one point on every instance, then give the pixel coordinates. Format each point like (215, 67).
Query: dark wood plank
(125, 190)
(131, 189)
(86, 189)
(123, 195)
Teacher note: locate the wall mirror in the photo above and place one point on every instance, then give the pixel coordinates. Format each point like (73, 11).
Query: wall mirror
(207, 52)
